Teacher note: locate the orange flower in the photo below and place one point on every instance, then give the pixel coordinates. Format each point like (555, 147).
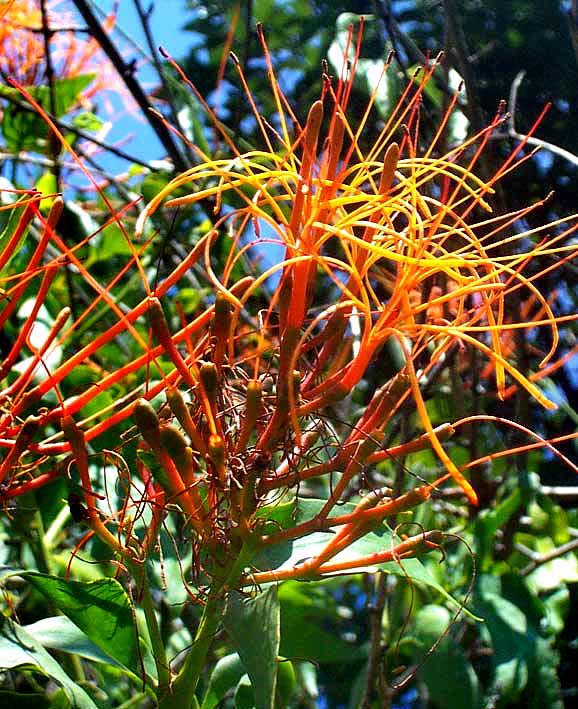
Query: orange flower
(23, 49)
(21, 41)
(378, 244)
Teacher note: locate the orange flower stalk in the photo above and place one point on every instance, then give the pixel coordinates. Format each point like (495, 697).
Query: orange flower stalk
(395, 236)
(381, 247)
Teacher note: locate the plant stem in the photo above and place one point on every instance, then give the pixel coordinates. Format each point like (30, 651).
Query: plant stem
(182, 695)
(376, 646)
(185, 684)
(158, 648)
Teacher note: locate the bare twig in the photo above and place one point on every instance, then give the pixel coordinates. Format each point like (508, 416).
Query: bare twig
(126, 73)
(572, 18)
(560, 491)
(531, 140)
(68, 128)
(96, 169)
(376, 646)
(144, 18)
(457, 37)
(399, 39)
(50, 78)
(539, 559)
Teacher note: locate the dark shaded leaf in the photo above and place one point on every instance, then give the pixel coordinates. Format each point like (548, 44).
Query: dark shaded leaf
(253, 625)
(19, 649)
(101, 609)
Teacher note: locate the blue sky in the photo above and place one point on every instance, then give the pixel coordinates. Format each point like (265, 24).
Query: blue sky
(168, 19)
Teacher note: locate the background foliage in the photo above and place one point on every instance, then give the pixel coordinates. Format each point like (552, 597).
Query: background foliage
(374, 639)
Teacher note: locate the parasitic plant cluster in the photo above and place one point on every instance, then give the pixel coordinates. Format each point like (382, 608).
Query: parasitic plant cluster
(340, 282)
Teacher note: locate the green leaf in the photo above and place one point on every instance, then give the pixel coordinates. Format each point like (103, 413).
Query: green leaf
(110, 242)
(25, 130)
(511, 637)
(244, 695)
(226, 675)
(459, 688)
(47, 185)
(101, 609)
(60, 633)
(153, 184)
(557, 605)
(488, 523)
(287, 555)
(88, 121)
(254, 627)
(286, 680)
(525, 663)
(189, 299)
(6, 234)
(19, 649)
(544, 686)
(310, 626)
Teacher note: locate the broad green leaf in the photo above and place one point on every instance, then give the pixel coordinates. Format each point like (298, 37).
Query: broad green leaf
(458, 688)
(286, 680)
(108, 244)
(25, 130)
(557, 605)
(244, 695)
(510, 637)
(310, 625)
(153, 184)
(189, 299)
(67, 90)
(488, 523)
(544, 684)
(550, 519)
(19, 649)
(518, 590)
(358, 686)
(88, 121)
(101, 609)
(47, 185)
(289, 554)
(226, 675)
(60, 633)
(525, 661)
(253, 626)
